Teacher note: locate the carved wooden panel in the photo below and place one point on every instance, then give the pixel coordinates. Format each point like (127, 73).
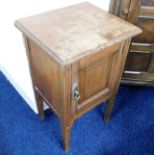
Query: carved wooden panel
(141, 16)
(140, 57)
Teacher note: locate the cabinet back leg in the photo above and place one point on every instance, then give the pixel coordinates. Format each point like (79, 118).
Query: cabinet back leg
(108, 110)
(40, 105)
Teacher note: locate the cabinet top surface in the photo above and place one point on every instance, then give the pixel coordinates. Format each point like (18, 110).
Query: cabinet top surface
(73, 32)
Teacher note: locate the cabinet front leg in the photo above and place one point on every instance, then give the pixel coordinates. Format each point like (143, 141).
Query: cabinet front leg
(40, 105)
(66, 131)
(108, 110)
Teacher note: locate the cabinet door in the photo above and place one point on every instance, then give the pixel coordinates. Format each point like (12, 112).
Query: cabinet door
(96, 78)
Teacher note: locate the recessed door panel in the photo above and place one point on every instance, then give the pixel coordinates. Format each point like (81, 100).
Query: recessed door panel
(95, 78)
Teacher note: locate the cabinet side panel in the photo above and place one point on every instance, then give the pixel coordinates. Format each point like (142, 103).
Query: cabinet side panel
(47, 76)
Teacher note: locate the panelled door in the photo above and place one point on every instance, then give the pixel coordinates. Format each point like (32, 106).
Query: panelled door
(94, 79)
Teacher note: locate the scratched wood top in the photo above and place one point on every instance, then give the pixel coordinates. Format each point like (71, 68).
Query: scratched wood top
(71, 33)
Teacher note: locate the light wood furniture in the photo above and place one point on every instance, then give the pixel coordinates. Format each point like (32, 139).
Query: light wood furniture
(76, 56)
(139, 68)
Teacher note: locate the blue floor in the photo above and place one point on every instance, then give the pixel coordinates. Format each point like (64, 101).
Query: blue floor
(129, 132)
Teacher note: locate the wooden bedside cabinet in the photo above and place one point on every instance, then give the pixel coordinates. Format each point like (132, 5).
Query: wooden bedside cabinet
(76, 56)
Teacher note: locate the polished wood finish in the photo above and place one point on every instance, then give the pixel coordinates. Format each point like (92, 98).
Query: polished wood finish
(76, 63)
(139, 64)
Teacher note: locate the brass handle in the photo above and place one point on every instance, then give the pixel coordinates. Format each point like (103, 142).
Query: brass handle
(75, 92)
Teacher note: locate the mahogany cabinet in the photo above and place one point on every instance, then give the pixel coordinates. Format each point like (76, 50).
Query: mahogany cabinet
(76, 57)
(139, 66)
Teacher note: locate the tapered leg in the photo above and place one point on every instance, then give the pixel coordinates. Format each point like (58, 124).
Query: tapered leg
(40, 107)
(66, 131)
(108, 110)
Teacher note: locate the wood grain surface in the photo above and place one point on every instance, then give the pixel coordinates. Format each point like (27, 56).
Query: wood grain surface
(74, 32)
